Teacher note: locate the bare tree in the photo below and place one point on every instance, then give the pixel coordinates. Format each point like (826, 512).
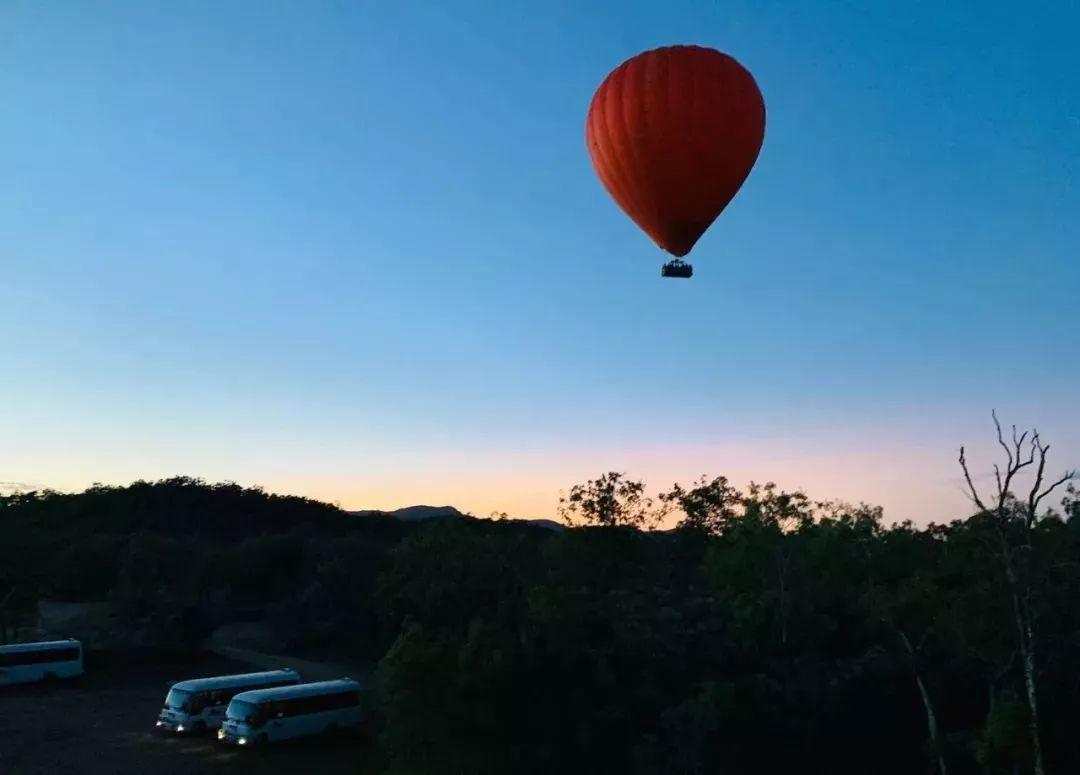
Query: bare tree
(1026, 450)
(928, 705)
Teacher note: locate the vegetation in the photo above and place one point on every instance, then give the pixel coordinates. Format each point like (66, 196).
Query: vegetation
(178, 557)
(766, 633)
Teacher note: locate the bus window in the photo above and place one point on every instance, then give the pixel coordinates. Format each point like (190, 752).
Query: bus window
(33, 662)
(44, 656)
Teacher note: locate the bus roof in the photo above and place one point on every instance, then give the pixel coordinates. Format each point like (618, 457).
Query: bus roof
(16, 648)
(227, 681)
(300, 690)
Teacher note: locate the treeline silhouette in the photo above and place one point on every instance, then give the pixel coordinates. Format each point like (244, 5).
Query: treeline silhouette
(766, 633)
(178, 557)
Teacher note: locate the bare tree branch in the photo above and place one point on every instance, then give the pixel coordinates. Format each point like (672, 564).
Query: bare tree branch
(1014, 458)
(971, 485)
(1033, 499)
(1066, 477)
(1034, 442)
(1001, 440)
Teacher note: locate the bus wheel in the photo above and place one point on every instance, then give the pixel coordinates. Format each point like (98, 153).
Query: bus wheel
(331, 729)
(262, 739)
(200, 727)
(49, 679)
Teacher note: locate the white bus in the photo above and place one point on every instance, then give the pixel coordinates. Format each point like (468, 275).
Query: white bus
(22, 663)
(199, 704)
(293, 711)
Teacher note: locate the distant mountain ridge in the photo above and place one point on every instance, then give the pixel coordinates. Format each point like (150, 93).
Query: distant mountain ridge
(420, 513)
(412, 513)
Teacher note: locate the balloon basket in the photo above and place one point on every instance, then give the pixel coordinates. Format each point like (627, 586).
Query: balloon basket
(677, 269)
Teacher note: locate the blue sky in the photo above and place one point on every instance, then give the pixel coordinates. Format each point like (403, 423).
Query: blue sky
(356, 250)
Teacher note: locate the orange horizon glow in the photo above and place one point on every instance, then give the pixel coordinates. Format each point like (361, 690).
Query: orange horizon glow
(912, 473)
(528, 484)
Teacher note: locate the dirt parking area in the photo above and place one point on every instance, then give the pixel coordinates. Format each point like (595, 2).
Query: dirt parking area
(104, 723)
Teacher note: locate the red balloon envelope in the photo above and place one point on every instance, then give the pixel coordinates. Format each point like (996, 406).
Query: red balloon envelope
(673, 133)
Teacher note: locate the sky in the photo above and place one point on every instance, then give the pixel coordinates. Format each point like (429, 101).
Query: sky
(356, 251)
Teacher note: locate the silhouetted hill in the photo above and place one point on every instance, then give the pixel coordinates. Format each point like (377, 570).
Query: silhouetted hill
(180, 506)
(547, 524)
(422, 513)
(190, 508)
(412, 513)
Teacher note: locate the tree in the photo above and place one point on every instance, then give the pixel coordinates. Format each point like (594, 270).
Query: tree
(1012, 516)
(762, 520)
(909, 607)
(788, 511)
(609, 500)
(1071, 503)
(714, 506)
(708, 506)
(4, 637)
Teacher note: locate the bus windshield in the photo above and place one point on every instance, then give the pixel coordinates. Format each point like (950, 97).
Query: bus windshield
(178, 699)
(242, 711)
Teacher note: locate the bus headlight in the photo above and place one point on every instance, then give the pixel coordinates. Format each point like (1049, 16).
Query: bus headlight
(221, 734)
(242, 741)
(179, 727)
(159, 723)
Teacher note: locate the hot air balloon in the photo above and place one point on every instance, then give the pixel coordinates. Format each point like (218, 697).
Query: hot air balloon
(672, 134)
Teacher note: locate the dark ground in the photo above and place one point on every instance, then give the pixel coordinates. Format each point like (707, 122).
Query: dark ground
(104, 723)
